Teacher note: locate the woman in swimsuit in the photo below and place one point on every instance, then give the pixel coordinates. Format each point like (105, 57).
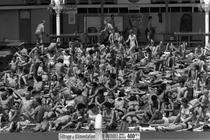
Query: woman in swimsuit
(66, 58)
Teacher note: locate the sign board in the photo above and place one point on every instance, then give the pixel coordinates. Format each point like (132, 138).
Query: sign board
(71, 11)
(106, 136)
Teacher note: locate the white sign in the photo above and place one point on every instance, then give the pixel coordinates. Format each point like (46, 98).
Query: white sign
(106, 136)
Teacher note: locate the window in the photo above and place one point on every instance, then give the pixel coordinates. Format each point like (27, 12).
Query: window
(175, 9)
(93, 10)
(82, 10)
(163, 9)
(106, 10)
(144, 10)
(186, 9)
(83, 1)
(133, 11)
(113, 10)
(155, 10)
(123, 10)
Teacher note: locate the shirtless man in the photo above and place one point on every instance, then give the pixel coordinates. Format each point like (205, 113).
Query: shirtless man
(107, 30)
(59, 67)
(40, 32)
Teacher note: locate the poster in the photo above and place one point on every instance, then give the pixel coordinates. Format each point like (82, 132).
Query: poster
(72, 17)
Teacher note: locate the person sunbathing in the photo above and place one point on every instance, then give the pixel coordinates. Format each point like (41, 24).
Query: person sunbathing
(120, 104)
(75, 121)
(112, 83)
(11, 79)
(37, 115)
(183, 119)
(38, 84)
(204, 102)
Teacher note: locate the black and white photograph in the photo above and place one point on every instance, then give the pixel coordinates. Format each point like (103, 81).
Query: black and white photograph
(105, 69)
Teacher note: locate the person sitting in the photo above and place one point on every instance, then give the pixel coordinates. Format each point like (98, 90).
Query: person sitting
(14, 117)
(154, 109)
(93, 110)
(109, 116)
(76, 120)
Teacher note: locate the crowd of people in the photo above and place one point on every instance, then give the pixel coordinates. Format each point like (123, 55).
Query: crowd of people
(160, 87)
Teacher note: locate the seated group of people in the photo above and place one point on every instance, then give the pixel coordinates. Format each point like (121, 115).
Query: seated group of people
(64, 88)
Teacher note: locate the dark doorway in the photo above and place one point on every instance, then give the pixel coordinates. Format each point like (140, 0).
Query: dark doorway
(25, 25)
(186, 25)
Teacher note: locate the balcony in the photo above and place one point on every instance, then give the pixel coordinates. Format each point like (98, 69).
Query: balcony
(174, 1)
(46, 2)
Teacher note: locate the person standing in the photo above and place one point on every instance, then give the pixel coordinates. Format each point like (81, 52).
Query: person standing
(114, 36)
(40, 31)
(106, 31)
(149, 30)
(132, 41)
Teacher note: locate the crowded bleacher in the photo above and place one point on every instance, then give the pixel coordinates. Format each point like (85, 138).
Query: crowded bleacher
(160, 87)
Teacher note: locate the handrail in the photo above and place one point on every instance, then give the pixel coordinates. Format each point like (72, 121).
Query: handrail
(75, 34)
(191, 33)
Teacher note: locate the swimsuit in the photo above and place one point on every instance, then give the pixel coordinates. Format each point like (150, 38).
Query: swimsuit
(66, 60)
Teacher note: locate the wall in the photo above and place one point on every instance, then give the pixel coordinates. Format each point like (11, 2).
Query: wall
(36, 17)
(198, 24)
(175, 19)
(159, 26)
(9, 25)
(68, 28)
(73, 28)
